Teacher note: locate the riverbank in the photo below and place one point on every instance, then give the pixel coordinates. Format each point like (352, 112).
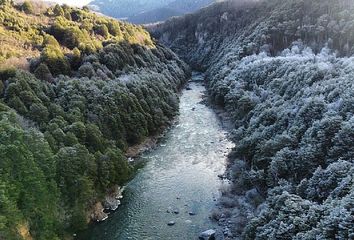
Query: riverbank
(221, 214)
(234, 206)
(100, 210)
(179, 177)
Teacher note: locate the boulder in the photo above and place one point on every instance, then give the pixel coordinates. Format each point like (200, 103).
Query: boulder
(171, 223)
(169, 210)
(208, 235)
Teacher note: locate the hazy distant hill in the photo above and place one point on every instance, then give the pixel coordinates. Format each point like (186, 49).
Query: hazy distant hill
(155, 15)
(146, 11)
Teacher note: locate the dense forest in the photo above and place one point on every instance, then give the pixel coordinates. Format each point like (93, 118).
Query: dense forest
(283, 70)
(76, 90)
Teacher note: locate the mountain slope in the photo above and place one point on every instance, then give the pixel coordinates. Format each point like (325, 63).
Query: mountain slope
(127, 8)
(155, 15)
(175, 8)
(89, 88)
(147, 11)
(283, 71)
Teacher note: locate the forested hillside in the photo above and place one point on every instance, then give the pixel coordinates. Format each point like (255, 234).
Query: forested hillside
(147, 11)
(76, 90)
(174, 8)
(283, 70)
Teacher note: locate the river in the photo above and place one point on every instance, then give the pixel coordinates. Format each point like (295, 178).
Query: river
(180, 174)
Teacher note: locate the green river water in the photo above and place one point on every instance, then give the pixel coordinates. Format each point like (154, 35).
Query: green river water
(181, 173)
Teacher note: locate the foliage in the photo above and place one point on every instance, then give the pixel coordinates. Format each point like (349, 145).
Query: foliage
(283, 71)
(27, 181)
(30, 35)
(94, 92)
(27, 7)
(42, 72)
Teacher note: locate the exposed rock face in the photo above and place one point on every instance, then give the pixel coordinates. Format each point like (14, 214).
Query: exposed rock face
(112, 201)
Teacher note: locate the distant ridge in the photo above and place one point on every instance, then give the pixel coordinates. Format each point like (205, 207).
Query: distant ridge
(147, 11)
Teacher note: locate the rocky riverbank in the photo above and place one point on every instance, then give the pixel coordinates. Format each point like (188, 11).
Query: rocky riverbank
(111, 202)
(101, 209)
(180, 172)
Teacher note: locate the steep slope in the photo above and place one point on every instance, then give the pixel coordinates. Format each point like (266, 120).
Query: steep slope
(90, 88)
(147, 11)
(175, 8)
(127, 8)
(155, 15)
(283, 71)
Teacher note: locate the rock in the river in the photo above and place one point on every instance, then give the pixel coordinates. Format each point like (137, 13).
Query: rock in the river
(192, 213)
(176, 211)
(208, 235)
(171, 223)
(169, 210)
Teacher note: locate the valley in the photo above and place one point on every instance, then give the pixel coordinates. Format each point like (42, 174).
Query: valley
(179, 180)
(78, 90)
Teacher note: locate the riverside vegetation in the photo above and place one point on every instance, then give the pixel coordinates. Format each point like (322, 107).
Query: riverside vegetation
(283, 70)
(76, 90)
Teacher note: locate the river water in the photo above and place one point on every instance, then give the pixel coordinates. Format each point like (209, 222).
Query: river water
(181, 174)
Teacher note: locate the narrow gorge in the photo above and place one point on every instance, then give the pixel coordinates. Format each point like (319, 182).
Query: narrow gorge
(178, 184)
(80, 92)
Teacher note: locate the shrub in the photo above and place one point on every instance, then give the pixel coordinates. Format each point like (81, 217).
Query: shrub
(27, 7)
(54, 58)
(114, 28)
(58, 10)
(102, 30)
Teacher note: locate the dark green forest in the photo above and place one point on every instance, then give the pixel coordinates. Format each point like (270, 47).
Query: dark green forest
(283, 70)
(76, 90)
